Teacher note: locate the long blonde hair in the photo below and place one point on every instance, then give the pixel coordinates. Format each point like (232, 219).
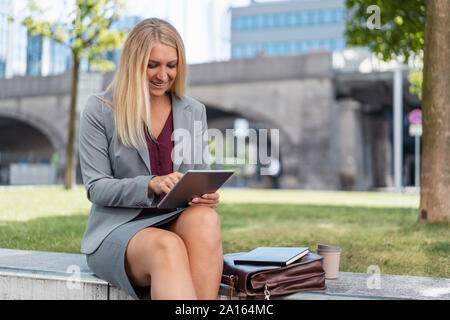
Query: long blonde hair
(131, 97)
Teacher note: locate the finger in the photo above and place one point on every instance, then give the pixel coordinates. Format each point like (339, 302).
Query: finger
(173, 178)
(168, 184)
(193, 204)
(204, 201)
(213, 206)
(165, 189)
(211, 196)
(178, 174)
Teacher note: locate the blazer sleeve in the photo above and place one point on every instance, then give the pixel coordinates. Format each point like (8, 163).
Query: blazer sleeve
(101, 186)
(205, 163)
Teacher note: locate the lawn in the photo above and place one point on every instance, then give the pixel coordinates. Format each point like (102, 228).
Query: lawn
(372, 228)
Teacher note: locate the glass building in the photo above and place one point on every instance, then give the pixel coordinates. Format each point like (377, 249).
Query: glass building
(17, 58)
(34, 55)
(13, 42)
(287, 27)
(60, 57)
(125, 23)
(5, 11)
(24, 54)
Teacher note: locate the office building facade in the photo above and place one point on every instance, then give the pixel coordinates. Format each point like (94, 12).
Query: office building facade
(287, 27)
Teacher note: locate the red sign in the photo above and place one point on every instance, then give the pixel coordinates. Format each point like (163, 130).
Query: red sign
(415, 116)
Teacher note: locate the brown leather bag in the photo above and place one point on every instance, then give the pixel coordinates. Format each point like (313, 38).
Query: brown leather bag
(306, 274)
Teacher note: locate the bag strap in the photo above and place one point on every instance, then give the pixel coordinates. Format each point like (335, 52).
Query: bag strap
(266, 292)
(230, 281)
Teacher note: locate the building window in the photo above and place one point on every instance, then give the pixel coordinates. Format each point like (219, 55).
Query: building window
(314, 17)
(259, 22)
(340, 16)
(271, 22)
(291, 47)
(341, 44)
(236, 52)
(289, 19)
(303, 18)
(251, 22)
(238, 23)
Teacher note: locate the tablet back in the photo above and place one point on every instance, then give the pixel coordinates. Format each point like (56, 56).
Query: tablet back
(194, 183)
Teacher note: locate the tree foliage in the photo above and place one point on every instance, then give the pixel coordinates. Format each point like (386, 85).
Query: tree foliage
(401, 31)
(415, 79)
(88, 32)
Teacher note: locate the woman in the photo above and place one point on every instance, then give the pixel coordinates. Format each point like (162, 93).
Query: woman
(125, 154)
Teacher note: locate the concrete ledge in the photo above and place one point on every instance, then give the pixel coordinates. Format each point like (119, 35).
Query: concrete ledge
(35, 275)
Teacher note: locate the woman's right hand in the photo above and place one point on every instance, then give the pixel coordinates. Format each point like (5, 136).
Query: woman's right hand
(163, 184)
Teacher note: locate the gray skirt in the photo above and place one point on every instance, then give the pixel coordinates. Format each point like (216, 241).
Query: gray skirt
(108, 261)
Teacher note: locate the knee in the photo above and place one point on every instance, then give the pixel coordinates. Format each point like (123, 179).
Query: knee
(205, 218)
(169, 247)
(206, 222)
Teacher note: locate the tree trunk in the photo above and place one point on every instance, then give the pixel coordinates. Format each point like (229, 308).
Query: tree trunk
(435, 172)
(70, 170)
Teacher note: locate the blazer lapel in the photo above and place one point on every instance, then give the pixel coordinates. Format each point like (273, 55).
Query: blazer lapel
(145, 156)
(182, 118)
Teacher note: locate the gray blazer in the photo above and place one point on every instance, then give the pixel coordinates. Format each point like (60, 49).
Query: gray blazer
(116, 177)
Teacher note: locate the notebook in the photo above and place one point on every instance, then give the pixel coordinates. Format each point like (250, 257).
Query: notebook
(280, 256)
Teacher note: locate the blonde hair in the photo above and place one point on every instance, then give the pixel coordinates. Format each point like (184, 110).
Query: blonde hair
(131, 97)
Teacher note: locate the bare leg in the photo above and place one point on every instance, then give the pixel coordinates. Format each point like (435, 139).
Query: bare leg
(159, 257)
(199, 227)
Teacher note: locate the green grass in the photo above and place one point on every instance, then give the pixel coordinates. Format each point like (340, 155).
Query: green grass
(372, 228)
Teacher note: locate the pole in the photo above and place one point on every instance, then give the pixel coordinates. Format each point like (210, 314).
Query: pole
(417, 162)
(398, 128)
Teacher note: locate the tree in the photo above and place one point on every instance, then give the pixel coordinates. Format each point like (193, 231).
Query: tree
(417, 28)
(435, 176)
(87, 35)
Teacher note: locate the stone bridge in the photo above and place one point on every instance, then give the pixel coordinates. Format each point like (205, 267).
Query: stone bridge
(322, 142)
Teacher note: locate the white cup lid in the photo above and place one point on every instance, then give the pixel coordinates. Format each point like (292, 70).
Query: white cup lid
(324, 247)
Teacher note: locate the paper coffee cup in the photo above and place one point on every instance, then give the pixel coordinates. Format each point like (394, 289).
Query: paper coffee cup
(331, 256)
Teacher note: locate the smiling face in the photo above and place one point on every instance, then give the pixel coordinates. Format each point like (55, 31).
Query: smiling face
(162, 69)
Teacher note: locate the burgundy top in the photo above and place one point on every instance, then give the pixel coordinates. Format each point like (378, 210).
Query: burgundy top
(161, 158)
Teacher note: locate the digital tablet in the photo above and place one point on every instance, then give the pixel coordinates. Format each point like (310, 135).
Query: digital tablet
(192, 184)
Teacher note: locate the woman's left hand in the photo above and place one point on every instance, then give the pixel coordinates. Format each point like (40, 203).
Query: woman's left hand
(208, 199)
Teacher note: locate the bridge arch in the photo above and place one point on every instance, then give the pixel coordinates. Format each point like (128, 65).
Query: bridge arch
(223, 120)
(39, 123)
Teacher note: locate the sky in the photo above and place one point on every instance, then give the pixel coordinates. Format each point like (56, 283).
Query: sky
(203, 24)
